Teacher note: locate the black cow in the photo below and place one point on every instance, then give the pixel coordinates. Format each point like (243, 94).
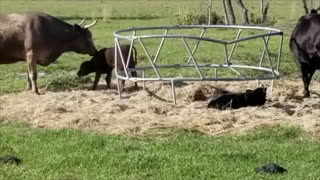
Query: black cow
(305, 47)
(103, 63)
(231, 100)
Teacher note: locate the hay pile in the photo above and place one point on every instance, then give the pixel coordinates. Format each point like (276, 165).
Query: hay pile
(141, 111)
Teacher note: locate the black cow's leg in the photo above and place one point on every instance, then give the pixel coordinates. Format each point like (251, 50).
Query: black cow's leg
(32, 71)
(307, 74)
(96, 81)
(108, 79)
(134, 74)
(122, 82)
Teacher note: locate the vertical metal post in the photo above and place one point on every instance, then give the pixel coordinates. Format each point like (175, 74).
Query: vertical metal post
(116, 66)
(173, 92)
(279, 53)
(215, 73)
(271, 90)
(226, 54)
(268, 55)
(143, 82)
(122, 59)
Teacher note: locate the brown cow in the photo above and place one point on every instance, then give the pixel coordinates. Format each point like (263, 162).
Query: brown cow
(39, 38)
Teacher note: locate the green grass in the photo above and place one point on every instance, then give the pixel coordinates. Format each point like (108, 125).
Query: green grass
(172, 154)
(115, 15)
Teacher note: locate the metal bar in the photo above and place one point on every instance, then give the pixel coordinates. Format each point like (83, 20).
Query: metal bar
(160, 47)
(143, 77)
(122, 59)
(130, 50)
(197, 44)
(268, 55)
(204, 65)
(273, 72)
(198, 26)
(173, 92)
(215, 73)
(234, 45)
(148, 55)
(207, 79)
(193, 59)
(263, 52)
(226, 55)
(116, 66)
(272, 84)
(237, 72)
(279, 53)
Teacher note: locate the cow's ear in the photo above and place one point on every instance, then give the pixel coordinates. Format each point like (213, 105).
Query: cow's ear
(77, 28)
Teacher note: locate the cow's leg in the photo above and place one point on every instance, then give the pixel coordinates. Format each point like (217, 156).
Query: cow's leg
(121, 84)
(134, 74)
(28, 88)
(32, 72)
(96, 81)
(108, 79)
(307, 74)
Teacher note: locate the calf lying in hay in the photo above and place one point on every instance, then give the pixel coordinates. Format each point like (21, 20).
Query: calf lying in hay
(231, 100)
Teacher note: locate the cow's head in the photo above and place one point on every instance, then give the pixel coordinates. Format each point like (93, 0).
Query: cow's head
(83, 42)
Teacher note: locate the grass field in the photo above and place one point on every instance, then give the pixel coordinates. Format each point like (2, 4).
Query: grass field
(168, 154)
(161, 154)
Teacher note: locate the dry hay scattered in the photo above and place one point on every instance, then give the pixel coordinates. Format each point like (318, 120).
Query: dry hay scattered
(141, 111)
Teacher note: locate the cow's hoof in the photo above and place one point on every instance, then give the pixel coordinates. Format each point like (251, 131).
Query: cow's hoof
(36, 92)
(306, 94)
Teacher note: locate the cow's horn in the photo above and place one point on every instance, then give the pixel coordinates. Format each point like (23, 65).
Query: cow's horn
(92, 24)
(81, 22)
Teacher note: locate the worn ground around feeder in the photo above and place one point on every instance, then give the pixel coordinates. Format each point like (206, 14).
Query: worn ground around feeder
(140, 111)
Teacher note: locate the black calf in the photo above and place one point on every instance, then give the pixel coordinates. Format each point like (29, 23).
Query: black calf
(230, 100)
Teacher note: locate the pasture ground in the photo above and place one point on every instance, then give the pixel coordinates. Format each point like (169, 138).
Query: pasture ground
(172, 154)
(141, 111)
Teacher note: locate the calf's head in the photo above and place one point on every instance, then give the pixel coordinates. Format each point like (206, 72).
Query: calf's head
(256, 96)
(86, 68)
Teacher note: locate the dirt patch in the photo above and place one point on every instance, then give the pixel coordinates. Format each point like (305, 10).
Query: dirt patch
(140, 111)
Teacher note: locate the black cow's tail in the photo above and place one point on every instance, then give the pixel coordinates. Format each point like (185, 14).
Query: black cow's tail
(299, 55)
(135, 55)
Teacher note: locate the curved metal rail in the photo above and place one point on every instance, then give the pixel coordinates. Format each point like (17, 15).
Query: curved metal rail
(136, 35)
